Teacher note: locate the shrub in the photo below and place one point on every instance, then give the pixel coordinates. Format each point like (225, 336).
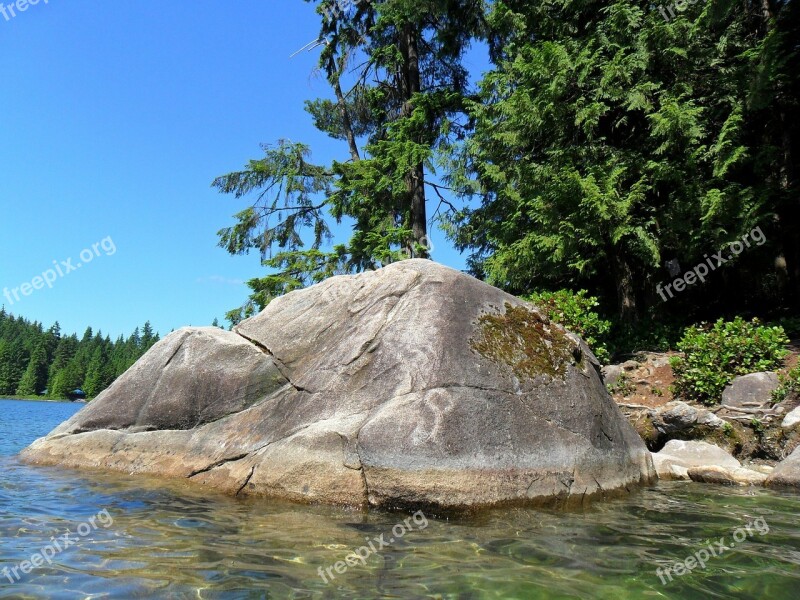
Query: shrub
(715, 354)
(791, 325)
(576, 311)
(648, 334)
(790, 385)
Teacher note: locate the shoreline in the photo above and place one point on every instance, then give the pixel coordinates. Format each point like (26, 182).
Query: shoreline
(38, 399)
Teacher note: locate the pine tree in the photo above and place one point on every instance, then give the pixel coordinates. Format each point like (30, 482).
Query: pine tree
(33, 359)
(12, 365)
(609, 141)
(395, 112)
(34, 379)
(96, 373)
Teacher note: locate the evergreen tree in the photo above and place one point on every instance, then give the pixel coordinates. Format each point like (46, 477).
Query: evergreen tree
(12, 365)
(97, 373)
(609, 141)
(34, 379)
(398, 86)
(33, 359)
(65, 351)
(148, 336)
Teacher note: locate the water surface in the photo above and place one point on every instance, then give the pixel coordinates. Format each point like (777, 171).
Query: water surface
(173, 540)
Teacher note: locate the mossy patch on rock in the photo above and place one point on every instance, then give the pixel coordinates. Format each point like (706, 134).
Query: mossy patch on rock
(524, 341)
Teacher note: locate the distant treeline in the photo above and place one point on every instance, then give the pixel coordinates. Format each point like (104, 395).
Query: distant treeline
(34, 359)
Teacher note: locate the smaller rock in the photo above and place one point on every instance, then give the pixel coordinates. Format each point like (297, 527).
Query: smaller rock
(787, 473)
(755, 387)
(765, 469)
(697, 454)
(723, 476)
(612, 373)
(659, 360)
(791, 420)
(668, 470)
(678, 416)
(630, 365)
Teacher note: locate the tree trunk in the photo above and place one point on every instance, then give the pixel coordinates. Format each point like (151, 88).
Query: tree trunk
(624, 285)
(415, 179)
(347, 123)
(789, 215)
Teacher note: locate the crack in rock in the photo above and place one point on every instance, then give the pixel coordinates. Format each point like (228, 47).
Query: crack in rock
(278, 363)
(216, 464)
(246, 481)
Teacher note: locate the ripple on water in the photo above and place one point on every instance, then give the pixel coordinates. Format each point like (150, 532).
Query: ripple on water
(172, 540)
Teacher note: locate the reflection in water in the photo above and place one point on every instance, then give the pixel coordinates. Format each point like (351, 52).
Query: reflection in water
(175, 540)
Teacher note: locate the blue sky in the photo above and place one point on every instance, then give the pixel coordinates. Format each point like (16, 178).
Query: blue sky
(116, 117)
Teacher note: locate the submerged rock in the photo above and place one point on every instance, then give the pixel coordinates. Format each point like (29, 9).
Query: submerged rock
(407, 386)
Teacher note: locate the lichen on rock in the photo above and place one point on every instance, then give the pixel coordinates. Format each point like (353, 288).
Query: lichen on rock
(525, 341)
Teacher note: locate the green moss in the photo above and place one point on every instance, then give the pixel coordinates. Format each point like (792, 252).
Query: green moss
(644, 427)
(523, 341)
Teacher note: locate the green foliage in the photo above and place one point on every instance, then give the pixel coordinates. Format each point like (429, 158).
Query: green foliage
(623, 385)
(715, 354)
(398, 87)
(33, 360)
(789, 386)
(576, 311)
(648, 334)
(791, 325)
(34, 379)
(609, 141)
(604, 143)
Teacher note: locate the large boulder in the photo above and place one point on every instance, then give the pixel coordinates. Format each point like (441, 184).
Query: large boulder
(703, 462)
(411, 385)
